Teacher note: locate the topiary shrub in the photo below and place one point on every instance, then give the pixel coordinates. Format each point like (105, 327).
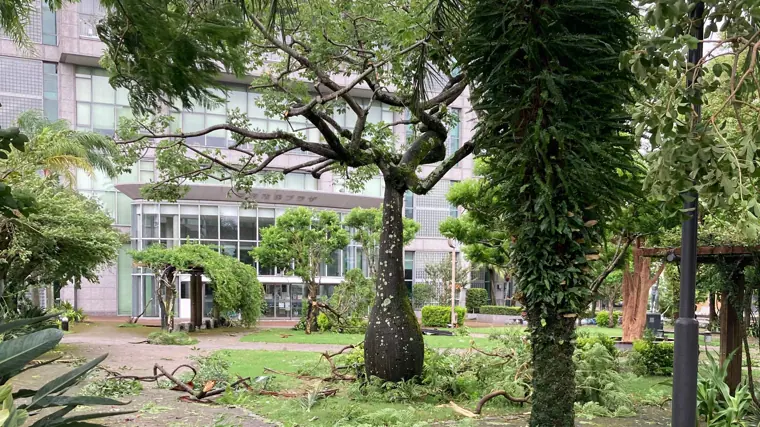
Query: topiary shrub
(476, 297)
(440, 315)
(501, 309)
(603, 318)
(652, 358)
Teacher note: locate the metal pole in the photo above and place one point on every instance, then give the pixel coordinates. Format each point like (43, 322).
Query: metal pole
(684, 408)
(453, 282)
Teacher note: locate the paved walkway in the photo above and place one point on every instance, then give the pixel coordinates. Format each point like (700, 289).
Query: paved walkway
(99, 338)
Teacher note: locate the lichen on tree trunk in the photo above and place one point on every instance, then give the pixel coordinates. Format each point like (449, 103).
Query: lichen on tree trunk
(393, 347)
(553, 368)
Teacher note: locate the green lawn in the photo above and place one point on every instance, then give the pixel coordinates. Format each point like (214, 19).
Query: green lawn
(342, 409)
(299, 337)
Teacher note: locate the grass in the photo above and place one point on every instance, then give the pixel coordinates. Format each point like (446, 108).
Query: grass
(341, 409)
(299, 337)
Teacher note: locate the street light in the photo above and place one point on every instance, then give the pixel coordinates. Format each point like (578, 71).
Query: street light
(453, 281)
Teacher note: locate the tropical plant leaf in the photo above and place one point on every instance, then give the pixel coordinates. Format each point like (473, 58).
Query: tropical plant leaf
(16, 324)
(66, 380)
(47, 419)
(49, 401)
(24, 393)
(16, 353)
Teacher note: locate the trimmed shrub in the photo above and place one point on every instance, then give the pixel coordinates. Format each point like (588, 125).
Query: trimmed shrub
(603, 318)
(652, 358)
(440, 315)
(476, 297)
(501, 309)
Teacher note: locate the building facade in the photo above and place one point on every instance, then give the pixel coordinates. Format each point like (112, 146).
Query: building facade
(62, 78)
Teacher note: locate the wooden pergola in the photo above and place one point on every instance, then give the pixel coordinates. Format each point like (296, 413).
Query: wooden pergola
(731, 331)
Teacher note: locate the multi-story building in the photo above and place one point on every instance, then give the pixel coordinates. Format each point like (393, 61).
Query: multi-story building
(62, 78)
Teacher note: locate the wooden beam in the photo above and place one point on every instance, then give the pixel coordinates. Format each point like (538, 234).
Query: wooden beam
(703, 251)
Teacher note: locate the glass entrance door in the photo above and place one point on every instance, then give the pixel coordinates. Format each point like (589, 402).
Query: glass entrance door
(269, 291)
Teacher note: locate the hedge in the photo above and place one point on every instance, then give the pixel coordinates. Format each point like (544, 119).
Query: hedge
(501, 309)
(476, 297)
(603, 318)
(440, 315)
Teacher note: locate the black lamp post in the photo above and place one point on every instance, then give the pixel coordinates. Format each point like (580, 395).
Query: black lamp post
(687, 328)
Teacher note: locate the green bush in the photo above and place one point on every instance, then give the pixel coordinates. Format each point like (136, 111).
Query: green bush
(603, 318)
(586, 340)
(501, 309)
(323, 322)
(440, 315)
(652, 358)
(173, 338)
(476, 297)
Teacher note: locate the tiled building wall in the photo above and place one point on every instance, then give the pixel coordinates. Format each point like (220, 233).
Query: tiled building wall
(20, 87)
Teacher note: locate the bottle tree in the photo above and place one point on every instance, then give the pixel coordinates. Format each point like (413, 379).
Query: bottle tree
(552, 132)
(314, 60)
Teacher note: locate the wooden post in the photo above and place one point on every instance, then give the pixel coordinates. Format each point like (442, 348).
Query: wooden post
(196, 300)
(731, 330)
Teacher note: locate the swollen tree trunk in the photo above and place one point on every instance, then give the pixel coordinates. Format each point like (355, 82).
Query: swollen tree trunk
(593, 309)
(393, 348)
(553, 368)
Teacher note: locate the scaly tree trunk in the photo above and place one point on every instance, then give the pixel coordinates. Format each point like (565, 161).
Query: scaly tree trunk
(393, 347)
(636, 286)
(553, 368)
(311, 312)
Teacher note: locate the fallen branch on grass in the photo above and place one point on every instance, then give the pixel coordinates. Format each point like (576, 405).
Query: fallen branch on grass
(335, 370)
(491, 395)
(113, 375)
(458, 409)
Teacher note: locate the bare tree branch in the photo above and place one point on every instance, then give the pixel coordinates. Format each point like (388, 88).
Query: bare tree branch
(320, 149)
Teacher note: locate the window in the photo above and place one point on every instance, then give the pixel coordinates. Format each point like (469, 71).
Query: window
(99, 106)
(50, 90)
(433, 208)
(101, 187)
(409, 271)
(409, 204)
(90, 12)
(454, 133)
(49, 30)
(453, 210)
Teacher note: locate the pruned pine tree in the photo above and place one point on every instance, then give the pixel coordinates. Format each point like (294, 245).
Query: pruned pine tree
(314, 60)
(552, 132)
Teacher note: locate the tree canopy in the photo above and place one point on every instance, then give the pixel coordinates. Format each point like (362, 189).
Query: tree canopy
(236, 286)
(67, 238)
